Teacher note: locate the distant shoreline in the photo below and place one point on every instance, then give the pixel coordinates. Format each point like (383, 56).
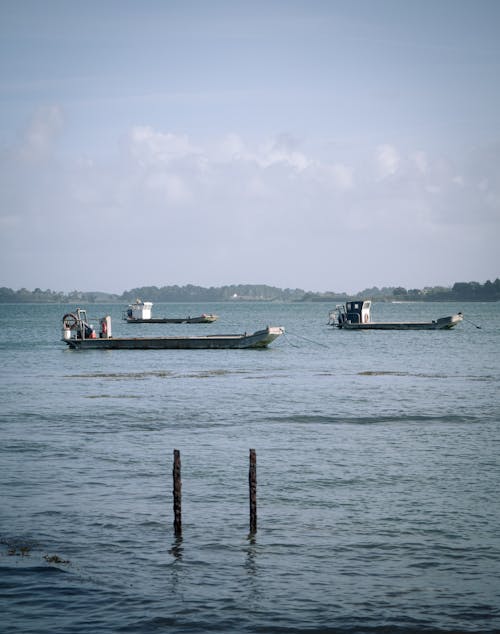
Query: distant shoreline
(460, 291)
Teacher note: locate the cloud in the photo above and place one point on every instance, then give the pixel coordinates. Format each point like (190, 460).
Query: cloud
(232, 209)
(420, 161)
(231, 147)
(340, 176)
(172, 188)
(37, 141)
(168, 166)
(151, 147)
(388, 161)
(281, 150)
(173, 169)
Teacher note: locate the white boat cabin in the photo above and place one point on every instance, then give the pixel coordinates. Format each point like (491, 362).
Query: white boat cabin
(139, 310)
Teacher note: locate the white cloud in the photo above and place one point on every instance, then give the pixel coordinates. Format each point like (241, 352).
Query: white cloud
(241, 203)
(388, 161)
(170, 187)
(231, 148)
(342, 176)
(282, 151)
(152, 147)
(39, 137)
(420, 161)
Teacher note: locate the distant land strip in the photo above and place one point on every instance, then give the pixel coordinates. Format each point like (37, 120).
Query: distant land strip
(460, 291)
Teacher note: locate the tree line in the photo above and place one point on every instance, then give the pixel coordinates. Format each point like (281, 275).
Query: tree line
(460, 291)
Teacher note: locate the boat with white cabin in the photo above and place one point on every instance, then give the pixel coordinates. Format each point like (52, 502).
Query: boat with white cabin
(141, 313)
(356, 315)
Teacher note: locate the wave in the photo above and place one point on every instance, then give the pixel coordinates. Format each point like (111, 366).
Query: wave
(397, 419)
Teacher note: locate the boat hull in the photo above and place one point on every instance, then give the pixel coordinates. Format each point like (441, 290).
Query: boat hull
(258, 339)
(444, 323)
(203, 319)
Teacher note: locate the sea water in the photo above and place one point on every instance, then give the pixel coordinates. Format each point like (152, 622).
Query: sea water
(377, 475)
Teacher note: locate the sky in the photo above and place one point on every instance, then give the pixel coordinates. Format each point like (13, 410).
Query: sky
(322, 145)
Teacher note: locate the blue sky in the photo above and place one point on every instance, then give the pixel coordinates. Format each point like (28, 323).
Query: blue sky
(321, 145)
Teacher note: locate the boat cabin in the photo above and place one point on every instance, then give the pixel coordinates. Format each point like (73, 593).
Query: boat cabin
(358, 312)
(354, 312)
(139, 310)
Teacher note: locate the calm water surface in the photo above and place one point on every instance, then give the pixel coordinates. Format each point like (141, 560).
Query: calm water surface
(378, 476)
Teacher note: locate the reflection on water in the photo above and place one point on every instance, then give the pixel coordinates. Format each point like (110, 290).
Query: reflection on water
(176, 550)
(251, 554)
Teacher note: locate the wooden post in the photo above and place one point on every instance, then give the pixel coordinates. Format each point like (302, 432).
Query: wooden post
(177, 493)
(252, 485)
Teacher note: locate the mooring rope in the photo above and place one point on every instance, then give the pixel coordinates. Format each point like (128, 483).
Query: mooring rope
(287, 340)
(287, 332)
(471, 322)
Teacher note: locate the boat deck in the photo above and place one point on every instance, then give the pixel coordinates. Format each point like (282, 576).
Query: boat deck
(259, 339)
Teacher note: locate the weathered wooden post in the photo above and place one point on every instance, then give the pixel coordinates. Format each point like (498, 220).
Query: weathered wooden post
(177, 493)
(252, 485)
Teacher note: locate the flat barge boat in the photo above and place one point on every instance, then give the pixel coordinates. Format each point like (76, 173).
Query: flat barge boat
(80, 335)
(356, 315)
(140, 313)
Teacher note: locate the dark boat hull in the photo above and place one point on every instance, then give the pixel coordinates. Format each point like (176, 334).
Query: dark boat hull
(259, 339)
(203, 319)
(444, 323)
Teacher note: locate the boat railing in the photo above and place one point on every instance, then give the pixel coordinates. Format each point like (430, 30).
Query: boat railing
(337, 315)
(79, 324)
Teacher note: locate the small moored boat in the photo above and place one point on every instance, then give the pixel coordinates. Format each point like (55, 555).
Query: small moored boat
(79, 334)
(356, 315)
(140, 313)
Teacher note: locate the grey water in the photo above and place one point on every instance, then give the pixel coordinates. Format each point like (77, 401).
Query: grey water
(378, 475)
